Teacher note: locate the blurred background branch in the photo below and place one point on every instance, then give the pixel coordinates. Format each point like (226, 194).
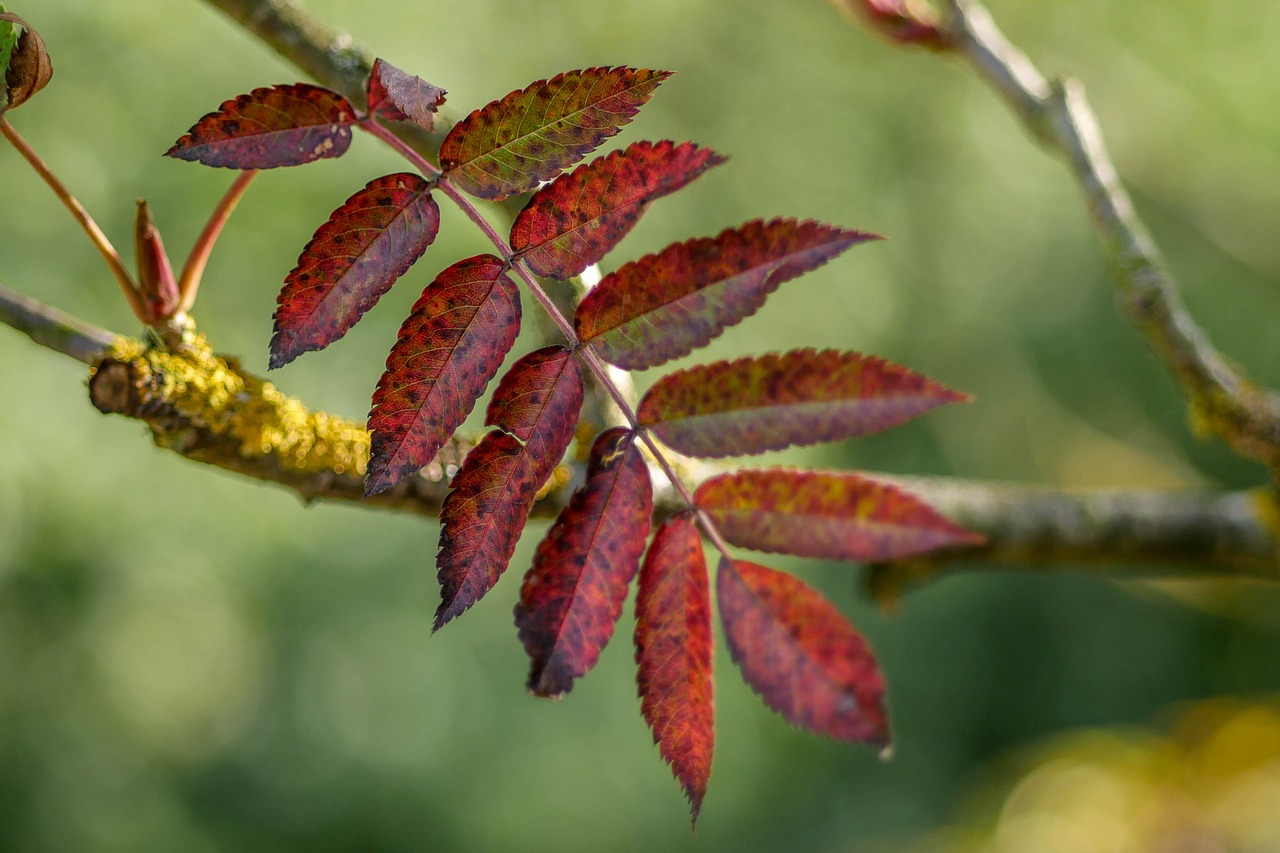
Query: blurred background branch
(1224, 402)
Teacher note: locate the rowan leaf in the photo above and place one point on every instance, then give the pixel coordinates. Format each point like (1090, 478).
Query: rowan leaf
(664, 306)
(673, 653)
(576, 219)
(800, 654)
(511, 145)
(537, 403)
(368, 242)
(752, 405)
(395, 95)
(573, 594)
(270, 127)
(835, 515)
(538, 397)
(451, 345)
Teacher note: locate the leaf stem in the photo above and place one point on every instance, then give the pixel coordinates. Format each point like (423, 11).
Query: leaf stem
(193, 269)
(404, 149)
(96, 236)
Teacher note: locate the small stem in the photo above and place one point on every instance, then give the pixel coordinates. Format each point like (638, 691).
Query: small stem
(99, 239)
(401, 147)
(193, 269)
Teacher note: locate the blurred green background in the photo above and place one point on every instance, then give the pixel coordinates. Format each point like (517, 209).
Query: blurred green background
(189, 661)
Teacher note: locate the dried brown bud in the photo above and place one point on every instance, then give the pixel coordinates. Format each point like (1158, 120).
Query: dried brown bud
(29, 66)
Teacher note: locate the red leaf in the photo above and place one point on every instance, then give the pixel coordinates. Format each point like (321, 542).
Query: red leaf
(673, 652)
(396, 96)
(530, 136)
(540, 395)
(734, 408)
(269, 127)
(800, 654)
(663, 306)
(573, 595)
(570, 224)
(537, 402)
(354, 258)
(452, 344)
(829, 514)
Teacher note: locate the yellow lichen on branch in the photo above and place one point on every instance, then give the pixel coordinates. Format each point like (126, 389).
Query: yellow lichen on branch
(203, 406)
(192, 394)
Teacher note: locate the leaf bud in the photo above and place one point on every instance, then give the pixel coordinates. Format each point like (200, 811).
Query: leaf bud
(155, 275)
(904, 21)
(24, 61)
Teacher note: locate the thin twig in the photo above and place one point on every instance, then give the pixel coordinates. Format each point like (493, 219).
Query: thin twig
(193, 269)
(96, 235)
(1224, 402)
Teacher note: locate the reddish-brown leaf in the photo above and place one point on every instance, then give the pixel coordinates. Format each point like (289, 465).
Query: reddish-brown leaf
(574, 221)
(396, 96)
(673, 653)
(539, 396)
(664, 306)
(537, 403)
(800, 654)
(511, 145)
(354, 258)
(836, 515)
(269, 127)
(452, 344)
(573, 594)
(752, 405)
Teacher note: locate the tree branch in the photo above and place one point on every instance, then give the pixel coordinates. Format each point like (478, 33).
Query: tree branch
(1114, 534)
(204, 407)
(1223, 401)
(55, 329)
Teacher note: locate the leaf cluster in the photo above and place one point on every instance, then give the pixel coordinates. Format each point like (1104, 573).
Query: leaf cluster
(792, 645)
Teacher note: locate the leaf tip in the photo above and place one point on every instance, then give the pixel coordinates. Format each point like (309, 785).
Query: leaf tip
(281, 351)
(377, 479)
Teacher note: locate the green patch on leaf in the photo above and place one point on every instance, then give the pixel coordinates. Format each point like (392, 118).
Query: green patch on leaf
(9, 35)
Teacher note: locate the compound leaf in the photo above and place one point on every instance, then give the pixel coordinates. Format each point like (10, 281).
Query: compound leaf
(673, 653)
(397, 96)
(451, 345)
(573, 594)
(270, 127)
(664, 306)
(575, 220)
(537, 403)
(354, 258)
(800, 654)
(511, 145)
(752, 405)
(829, 514)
